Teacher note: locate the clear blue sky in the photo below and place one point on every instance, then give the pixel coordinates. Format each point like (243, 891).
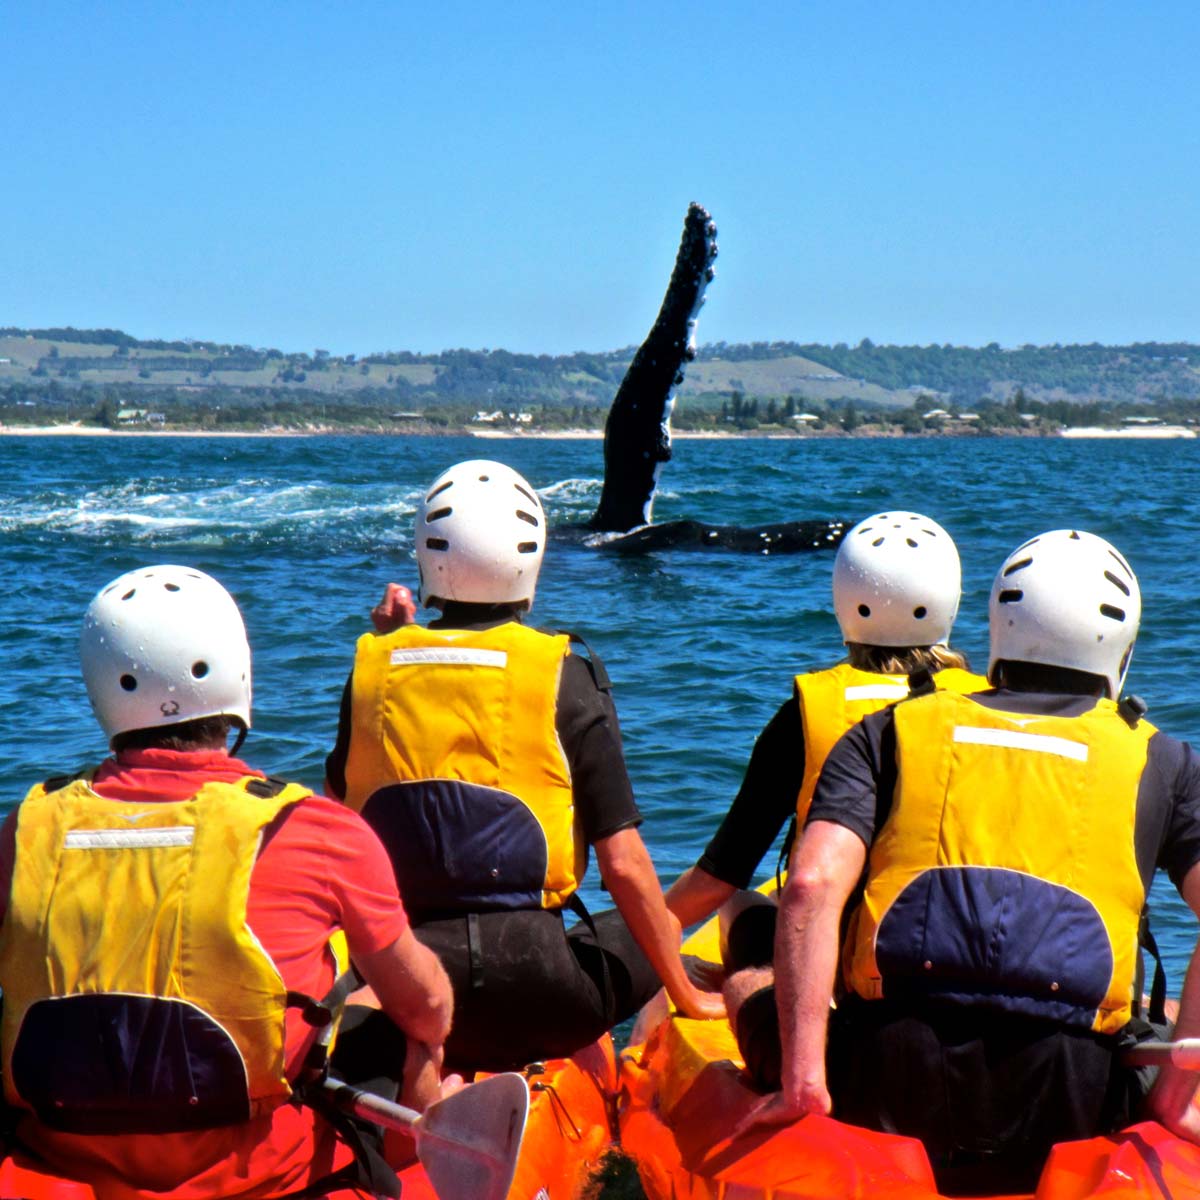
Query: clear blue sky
(363, 177)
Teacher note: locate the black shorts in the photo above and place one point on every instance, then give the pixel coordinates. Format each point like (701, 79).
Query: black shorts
(987, 1092)
(750, 941)
(526, 988)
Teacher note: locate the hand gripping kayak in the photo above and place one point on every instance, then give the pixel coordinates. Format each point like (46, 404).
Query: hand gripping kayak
(1184, 1053)
(467, 1143)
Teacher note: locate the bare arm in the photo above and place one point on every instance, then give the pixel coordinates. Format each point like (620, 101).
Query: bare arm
(1170, 1100)
(626, 867)
(696, 894)
(412, 988)
(826, 864)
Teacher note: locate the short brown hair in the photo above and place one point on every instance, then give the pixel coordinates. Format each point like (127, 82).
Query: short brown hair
(204, 733)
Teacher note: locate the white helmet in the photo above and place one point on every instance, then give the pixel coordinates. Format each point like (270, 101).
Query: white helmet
(480, 535)
(163, 645)
(896, 581)
(1066, 599)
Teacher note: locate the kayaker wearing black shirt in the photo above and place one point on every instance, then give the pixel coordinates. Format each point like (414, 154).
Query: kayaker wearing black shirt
(896, 587)
(488, 756)
(989, 967)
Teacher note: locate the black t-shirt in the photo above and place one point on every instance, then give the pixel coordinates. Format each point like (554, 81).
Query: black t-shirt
(859, 777)
(764, 803)
(585, 718)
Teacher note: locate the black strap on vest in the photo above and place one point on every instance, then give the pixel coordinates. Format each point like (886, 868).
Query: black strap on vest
(265, 789)
(577, 906)
(785, 852)
(369, 1171)
(321, 1015)
(1158, 988)
(599, 673)
(57, 782)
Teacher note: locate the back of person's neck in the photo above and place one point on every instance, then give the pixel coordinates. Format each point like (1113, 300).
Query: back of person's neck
(1039, 677)
(457, 614)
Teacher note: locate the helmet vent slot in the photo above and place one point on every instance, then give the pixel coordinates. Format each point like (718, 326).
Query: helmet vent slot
(911, 543)
(1108, 610)
(528, 495)
(439, 514)
(171, 587)
(1013, 568)
(437, 544)
(864, 610)
(129, 683)
(1116, 582)
(129, 595)
(528, 518)
(877, 542)
(199, 670)
(527, 547)
(920, 611)
(1124, 565)
(1010, 596)
(437, 491)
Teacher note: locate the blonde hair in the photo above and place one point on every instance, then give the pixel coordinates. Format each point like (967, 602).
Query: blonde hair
(904, 660)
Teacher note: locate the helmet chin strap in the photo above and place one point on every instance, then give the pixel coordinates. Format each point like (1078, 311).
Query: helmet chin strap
(237, 741)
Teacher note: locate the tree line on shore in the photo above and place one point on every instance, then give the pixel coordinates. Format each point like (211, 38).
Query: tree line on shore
(56, 374)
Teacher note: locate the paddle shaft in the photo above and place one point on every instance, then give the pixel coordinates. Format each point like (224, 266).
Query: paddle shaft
(370, 1107)
(1185, 1054)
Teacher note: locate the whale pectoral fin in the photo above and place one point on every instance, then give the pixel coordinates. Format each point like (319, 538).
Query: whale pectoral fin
(637, 435)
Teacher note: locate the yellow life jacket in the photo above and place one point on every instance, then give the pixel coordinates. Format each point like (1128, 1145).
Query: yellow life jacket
(1005, 874)
(455, 761)
(136, 998)
(835, 700)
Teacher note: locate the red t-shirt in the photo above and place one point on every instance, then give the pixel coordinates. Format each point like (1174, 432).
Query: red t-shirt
(320, 868)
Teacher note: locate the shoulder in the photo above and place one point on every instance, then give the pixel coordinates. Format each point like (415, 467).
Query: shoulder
(1175, 761)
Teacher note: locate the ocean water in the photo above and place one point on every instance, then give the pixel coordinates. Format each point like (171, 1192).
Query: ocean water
(701, 645)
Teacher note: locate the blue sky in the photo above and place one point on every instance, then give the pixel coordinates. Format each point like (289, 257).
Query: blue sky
(361, 177)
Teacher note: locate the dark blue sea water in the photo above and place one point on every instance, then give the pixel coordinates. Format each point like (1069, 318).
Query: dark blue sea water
(702, 645)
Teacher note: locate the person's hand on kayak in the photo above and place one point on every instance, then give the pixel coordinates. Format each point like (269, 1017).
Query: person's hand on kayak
(397, 608)
(699, 1005)
(780, 1109)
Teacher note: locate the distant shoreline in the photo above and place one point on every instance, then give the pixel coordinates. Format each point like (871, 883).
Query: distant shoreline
(1152, 432)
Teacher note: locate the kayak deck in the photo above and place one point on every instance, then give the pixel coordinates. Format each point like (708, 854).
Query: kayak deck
(567, 1133)
(684, 1090)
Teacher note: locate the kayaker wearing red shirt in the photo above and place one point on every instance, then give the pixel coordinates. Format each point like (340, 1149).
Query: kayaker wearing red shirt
(488, 757)
(162, 915)
(990, 966)
(896, 587)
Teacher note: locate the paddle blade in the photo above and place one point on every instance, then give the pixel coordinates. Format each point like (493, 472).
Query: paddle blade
(468, 1143)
